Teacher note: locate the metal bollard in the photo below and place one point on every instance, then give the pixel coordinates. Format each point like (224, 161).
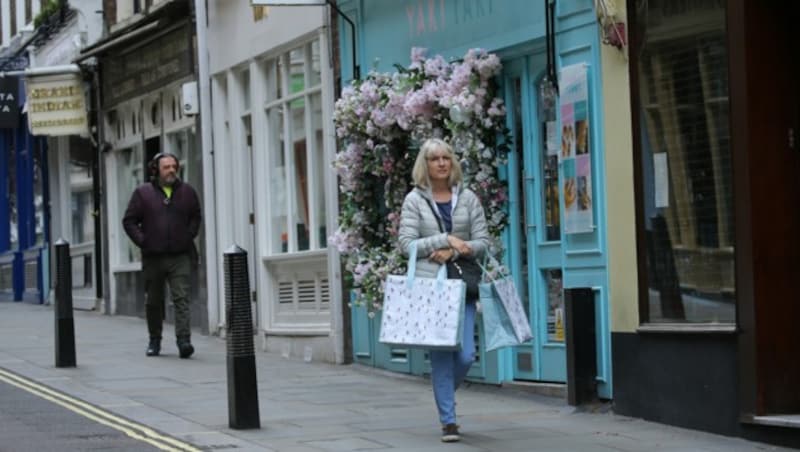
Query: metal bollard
(581, 345)
(242, 386)
(65, 327)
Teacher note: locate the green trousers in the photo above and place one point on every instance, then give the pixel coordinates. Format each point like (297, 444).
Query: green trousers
(159, 271)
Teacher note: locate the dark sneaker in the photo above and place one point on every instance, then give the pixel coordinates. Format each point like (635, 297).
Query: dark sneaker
(450, 433)
(185, 348)
(154, 347)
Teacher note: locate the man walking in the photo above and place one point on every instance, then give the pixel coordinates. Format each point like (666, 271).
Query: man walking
(163, 218)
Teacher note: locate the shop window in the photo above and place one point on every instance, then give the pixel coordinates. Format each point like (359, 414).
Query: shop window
(13, 212)
(82, 198)
(38, 193)
(130, 173)
(12, 12)
(549, 153)
(244, 83)
(183, 144)
(680, 93)
(82, 218)
(296, 151)
(554, 284)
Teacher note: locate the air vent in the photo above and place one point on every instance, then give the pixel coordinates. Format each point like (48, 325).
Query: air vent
(302, 288)
(285, 292)
(324, 291)
(306, 293)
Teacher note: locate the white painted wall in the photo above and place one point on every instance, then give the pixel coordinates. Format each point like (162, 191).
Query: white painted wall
(237, 42)
(5, 7)
(234, 36)
(85, 29)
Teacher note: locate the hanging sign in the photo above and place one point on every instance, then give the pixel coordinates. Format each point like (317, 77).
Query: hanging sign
(575, 154)
(9, 106)
(56, 105)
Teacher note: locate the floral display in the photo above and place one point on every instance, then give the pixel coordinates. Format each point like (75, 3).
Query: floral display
(381, 121)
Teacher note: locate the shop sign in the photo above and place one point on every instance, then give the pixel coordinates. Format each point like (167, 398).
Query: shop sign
(56, 105)
(145, 68)
(9, 106)
(17, 63)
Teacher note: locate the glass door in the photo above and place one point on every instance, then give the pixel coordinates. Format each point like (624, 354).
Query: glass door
(535, 233)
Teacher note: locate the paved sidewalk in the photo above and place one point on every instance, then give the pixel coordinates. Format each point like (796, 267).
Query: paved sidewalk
(308, 406)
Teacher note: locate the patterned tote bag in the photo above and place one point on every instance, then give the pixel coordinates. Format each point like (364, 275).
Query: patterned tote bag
(422, 312)
(507, 317)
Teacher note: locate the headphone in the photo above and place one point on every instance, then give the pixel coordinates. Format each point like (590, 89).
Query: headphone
(154, 162)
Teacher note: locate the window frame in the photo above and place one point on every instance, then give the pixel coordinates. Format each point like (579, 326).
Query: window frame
(133, 124)
(281, 98)
(646, 325)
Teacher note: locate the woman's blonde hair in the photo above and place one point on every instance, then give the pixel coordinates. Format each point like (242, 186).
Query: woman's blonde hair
(420, 172)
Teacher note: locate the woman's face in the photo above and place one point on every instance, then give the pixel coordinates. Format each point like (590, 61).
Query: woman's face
(439, 164)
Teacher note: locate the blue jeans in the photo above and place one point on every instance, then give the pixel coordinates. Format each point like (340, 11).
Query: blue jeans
(448, 369)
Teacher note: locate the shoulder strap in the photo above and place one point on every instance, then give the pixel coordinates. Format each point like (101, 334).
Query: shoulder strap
(433, 211)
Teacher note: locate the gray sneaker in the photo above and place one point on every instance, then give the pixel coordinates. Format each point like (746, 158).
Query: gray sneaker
(450, 433)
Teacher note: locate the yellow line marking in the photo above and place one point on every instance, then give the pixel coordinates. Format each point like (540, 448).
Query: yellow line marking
(132, 429)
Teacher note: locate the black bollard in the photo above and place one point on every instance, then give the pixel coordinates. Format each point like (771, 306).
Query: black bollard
(242, 386)
(65, 327)
(581, 345)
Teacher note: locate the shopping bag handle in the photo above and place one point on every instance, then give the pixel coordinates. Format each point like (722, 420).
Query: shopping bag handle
(486, 272)
(412, 268)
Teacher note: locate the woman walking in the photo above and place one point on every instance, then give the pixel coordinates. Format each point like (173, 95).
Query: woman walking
(439, 198)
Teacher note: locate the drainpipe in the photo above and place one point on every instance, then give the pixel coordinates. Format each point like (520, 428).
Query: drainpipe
(209, 182)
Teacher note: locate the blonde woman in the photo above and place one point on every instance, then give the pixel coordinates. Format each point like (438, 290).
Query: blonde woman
(440, 198)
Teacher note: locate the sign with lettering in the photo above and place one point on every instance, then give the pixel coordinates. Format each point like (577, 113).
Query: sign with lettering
(9, 102)
(17, 63)
(145, 68)
(446, 27)
(56, 105)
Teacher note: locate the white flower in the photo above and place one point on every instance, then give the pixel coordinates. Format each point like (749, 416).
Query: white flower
(458, 115)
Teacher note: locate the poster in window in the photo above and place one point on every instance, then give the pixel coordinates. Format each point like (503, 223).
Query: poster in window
(575, 155)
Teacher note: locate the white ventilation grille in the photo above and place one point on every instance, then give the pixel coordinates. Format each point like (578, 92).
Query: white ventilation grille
(302, 288)
(285, 292)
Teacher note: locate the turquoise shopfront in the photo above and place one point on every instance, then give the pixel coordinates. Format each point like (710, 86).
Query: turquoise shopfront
(554, 240)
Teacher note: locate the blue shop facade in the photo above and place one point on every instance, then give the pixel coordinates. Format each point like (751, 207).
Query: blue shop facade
(24, 230)
(545, 250)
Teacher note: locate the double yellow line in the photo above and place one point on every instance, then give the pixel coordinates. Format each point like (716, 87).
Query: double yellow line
(134, 430)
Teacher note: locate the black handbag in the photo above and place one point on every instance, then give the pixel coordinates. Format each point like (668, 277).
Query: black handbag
(462, 267)
(467, 269)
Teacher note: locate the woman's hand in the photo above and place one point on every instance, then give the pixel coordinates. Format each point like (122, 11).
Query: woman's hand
(459, 245)
(441, 256)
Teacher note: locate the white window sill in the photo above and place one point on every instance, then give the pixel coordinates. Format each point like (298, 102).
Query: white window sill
(298, 256)
(132, 267)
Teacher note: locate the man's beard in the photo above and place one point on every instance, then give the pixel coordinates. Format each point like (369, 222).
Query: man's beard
(165, 183)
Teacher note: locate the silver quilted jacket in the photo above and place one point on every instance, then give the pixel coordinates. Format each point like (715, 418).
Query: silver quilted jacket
(417, 222)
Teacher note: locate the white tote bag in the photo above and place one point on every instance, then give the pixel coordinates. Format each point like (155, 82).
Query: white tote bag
(422, 312)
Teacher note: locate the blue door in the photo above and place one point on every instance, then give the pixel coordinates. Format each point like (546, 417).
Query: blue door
(534, 238)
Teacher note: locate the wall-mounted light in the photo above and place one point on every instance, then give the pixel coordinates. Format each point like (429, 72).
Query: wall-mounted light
(356, 71)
